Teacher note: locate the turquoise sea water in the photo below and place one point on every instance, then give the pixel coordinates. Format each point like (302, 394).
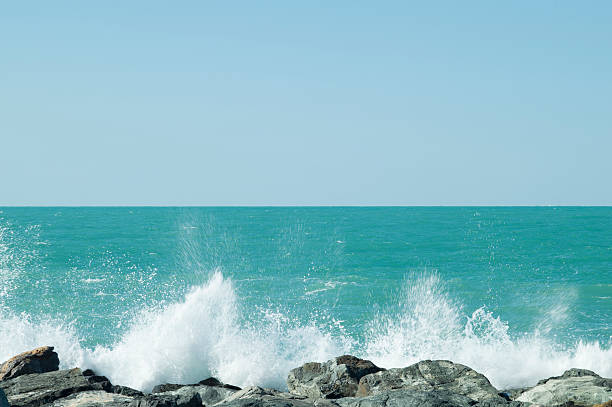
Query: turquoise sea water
(146, 295)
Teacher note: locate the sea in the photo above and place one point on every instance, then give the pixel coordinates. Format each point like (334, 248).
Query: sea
(148, 295)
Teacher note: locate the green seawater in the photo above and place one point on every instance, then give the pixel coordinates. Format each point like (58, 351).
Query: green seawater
(360, 276)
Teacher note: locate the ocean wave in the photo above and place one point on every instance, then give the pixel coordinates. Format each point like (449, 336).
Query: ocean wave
(208, 333)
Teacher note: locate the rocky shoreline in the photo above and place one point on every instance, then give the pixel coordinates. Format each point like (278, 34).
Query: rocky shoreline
(33, 379)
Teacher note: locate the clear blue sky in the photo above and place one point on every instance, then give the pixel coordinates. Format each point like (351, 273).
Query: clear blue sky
(403, 103)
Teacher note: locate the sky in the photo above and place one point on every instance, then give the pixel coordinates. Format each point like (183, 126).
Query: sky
(306, 103)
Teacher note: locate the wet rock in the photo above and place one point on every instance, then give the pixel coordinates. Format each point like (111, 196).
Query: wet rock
(126, 391)
(209, 395)
(254, 396)
(261, 393)
(39, 360)
(3, 400)
(407, 398)
(34, 390)
(96, 398)
(189, 399)
(428, 375)
(578, 386)
(333, 379)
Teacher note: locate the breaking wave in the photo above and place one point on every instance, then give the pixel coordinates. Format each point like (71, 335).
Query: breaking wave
(207, 333)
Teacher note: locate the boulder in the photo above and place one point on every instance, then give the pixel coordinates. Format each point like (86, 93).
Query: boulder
(187, 399)
(407, 398)
(209, 395)
(333, 379)
(126, 391)
(3, 400)
(95, 398)
(39, 360)
(33, 390)
(255, 396)
(578, 386)
(415, 398)
(428, 375)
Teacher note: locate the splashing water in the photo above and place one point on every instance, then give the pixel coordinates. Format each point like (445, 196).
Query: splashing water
(427, 324)
(207, 334)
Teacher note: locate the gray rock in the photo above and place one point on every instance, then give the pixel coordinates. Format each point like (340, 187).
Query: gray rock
(126, 391)
(95, 398)
(333, 379)
(209, 395)
(428, 375)
(3, 400)
(578, 386)
(33, 390)
(407, 398)
(188, 399)
(39, 360)
(266, 403)
(261, 393)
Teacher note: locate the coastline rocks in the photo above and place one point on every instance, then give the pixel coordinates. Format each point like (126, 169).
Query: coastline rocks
(578, 386)
(33, 390)
(254, 396)
(93, 398)
(211, 390)
(168, 399)
(430, 375)
(39, 360)
(336, 378)
(407, 398)
(3, 400)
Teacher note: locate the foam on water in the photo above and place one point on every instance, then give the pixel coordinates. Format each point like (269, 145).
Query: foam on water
(207, 333)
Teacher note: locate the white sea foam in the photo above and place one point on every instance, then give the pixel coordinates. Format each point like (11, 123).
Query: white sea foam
(208, 334)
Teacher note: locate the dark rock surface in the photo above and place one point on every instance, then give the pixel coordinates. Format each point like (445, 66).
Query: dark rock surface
(34, 390)
(431, 375)
(126, 391)
(336, 378)
(39, 360)
(191, 399)
(3, 400)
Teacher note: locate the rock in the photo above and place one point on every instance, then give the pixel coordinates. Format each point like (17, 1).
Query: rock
(261, 393)
(39, 360)
(209, 395)
(333, 379)
(126, 391)
(407, 398)
(190, 399)
(34, 390)
(3, 400)
(578, 386)
(428, 375)
(96, 398)
(415, 398)
(162, 388)
(211, 390)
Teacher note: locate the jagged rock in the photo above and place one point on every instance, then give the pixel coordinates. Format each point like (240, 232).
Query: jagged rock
(95, 398)
(209, 395)
(333, 379)
(39, 360)
(3, 400)
(211, 390)
(34, 390)
(415, 398)
(407, 398)
(168, 399)
(578, 386)
(261, 393)
(428, 375)
(126, 391)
